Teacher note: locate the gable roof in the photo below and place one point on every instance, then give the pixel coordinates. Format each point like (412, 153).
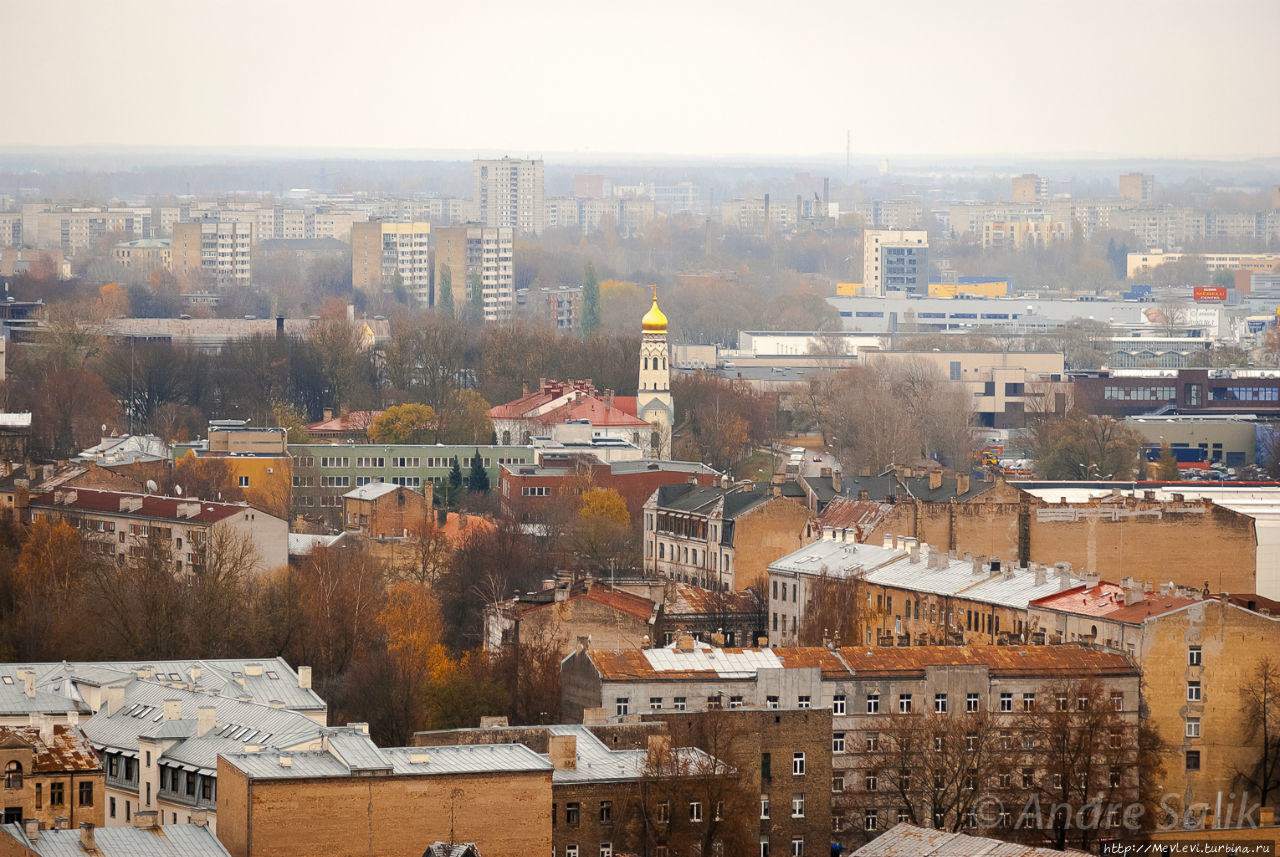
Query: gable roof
(67, 751)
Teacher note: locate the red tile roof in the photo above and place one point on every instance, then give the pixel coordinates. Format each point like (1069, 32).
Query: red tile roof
(352, 422)
(615, 599)
(548, 393)
(626, 404)
(1106, 601)
(591, 409)
(152, 506)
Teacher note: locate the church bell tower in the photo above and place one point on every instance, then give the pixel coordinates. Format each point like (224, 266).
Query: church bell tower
(653, 397)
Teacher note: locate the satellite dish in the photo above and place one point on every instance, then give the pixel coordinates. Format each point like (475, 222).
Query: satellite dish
(177, 490)
(104, 428)
(152, 487)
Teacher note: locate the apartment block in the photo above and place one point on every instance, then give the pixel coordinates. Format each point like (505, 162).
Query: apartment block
(1137, 187)
(386, 255)
(1002, 700)
(477, 257)
(121, 524)
(144, 255)
(1030, 188)
(895, 260)
(213, 252)
(508, 193)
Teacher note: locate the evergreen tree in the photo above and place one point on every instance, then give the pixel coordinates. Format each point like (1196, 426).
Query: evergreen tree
(590, 301)
(478, 480)
(476, 287)
(455, 478)
(444, 290)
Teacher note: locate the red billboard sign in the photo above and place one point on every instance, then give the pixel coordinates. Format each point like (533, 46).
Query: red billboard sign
(1209, 293)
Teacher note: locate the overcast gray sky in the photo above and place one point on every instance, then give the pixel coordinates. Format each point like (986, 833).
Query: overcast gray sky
(701, 77)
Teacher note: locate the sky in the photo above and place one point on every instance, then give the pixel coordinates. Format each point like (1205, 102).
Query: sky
(702, 78)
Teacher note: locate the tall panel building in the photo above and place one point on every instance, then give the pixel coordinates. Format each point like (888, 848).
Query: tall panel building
(384, 255)
(480, 256)
(508, 192)
(895, 260)
(218, 251)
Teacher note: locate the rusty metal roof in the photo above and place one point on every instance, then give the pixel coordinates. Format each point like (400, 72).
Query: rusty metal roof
(706, 663)
(68, 751)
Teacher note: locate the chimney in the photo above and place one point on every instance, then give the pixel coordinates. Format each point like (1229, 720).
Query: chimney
(73, 719)
(1063, 570)
(200, 818)
(976, 564)
(563, 750)
(914, 553)
(1092, 578)
(286, 760)
(194, 674)
(1041, 573)
(60, 823)
(206, 718)
(594, 715)
(86, 837)
(962, 484)
(115, 699)
(828, 533)
(144, 819)
(173, 709)
(275, 703)
(685, 643)
(28, 683)
(304, 678)
(1133, 595)
(888, 539)
(328, 414)
(935, 480)
(835, 480)
(32, 828)
(253, 669)
(46, 730)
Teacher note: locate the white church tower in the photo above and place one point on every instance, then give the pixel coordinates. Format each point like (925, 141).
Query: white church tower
(653, 398)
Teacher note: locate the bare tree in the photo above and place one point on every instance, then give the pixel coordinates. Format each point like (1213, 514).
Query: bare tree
(838, 610)
(1260, 707)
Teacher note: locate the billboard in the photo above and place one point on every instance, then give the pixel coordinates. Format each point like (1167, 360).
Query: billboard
(1209, 293)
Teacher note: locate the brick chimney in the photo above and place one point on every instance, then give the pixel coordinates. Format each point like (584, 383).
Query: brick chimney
(173, 709)
(962, 484)
(115, 699)
(32, 828)
(146, 819)
(86, 836)
(304, 678)
(206, 718)
(563, 750)
(935, 480)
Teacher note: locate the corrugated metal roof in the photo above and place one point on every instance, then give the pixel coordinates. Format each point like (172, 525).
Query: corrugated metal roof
(174, 840)
(836, 558)
(356, 750)
(423, 761)
(372, 491)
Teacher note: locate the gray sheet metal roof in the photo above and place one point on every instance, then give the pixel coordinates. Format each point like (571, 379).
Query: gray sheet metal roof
(223, 675)
(837, 557)
(340, 743)
(597, 762)
(904, 840)
(15, 702)
(173, 840)
(235, 725)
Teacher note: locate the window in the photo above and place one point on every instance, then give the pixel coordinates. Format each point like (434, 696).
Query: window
(904, 703)
(1117, 701)
(1113, 778)
(803, 702)
(873, 742)
(243, 481)
(1194, 656)
(572, 813)
(837, 704)
(764, 806)
(904, 817)
(191, 784)
(873, 703)
(1193, 727)
(664, 812)
(571, 851)
(606, 849)
(13, 775)
(771, 702)
(837, 742)
(940, 703)
(971, 702)
(797, 805)
(1193, 760)
(39, 794)
(871, 781)
(57, 794)
(111, 807)
(85, 795)
(837, 783)
(797, 765)
(870, 820)
(655, 703)
(1004, 780)
(1028, 702)
(1028, 778)
(622, 705)
(970, 742)
(678, 703)
(766, 766)
(1193, 691)
(735, 702)
(695, 810)
(1082, 703)
(1006, 702)
(797, 846)
(939, 743)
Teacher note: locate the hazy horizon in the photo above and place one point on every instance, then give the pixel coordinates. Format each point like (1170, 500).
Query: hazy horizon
(712, 80)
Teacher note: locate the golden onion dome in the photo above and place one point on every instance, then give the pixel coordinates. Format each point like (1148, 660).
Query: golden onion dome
(654, 321)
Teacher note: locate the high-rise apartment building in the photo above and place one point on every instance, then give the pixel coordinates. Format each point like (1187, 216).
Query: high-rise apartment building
(477, 257)
(220, 252)
(1030, 188)
(1137, 187)
(385, 255)
(508, 192)
(895, 260)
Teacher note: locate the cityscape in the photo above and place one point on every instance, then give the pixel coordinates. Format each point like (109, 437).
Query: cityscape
(780, 440)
